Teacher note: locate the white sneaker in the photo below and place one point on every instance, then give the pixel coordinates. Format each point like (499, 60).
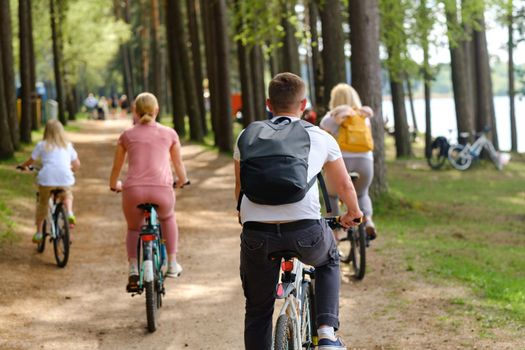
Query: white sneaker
(174, 269)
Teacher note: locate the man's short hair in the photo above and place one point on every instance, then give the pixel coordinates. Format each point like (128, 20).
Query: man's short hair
(285, 90)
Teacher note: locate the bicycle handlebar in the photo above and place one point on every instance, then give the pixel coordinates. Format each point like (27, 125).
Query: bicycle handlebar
(335, 221)
(26, 168)
(187, 183)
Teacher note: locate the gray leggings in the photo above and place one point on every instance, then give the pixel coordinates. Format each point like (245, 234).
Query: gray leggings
(365, 168)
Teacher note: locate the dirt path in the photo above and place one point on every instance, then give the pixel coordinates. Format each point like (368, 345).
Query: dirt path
(84, 306)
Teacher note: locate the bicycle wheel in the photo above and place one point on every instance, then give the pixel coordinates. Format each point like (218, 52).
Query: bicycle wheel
(458, 158)
(284, 333)
(61, 241)
(151, 306)
(438, 153)
(308, 328)
(358, 252)
(344, 248)
(42, 244)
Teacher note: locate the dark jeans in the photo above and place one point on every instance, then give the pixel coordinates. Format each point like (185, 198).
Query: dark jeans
(314, 242)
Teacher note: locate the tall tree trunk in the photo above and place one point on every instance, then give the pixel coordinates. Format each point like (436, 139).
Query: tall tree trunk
(57, 58)
(225, 122)
(197, 59)
(411, 102)
(290, 50)
(6, 144)
(485, 97)
(144, 44)
(192, 105)
(245, 75)
(32, 70)
(122, 11)
(402, 135)
(366, 78)
(512, 92)
(313, 17)
(464, 110)
(208, 20)
(25, 71)
(428, 116)
(156, 49)
(259, 96)
(333, 46)
(6, 49)
(177, 88)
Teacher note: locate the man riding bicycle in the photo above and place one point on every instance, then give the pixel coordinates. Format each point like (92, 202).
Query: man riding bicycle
(275, 220)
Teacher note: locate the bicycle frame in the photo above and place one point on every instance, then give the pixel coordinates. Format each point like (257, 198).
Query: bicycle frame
(481, 143)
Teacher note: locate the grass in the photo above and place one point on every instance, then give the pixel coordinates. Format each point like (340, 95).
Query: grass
(461, 226)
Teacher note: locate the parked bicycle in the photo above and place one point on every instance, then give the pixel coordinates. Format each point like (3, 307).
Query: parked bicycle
(151, 263)
(295, 327)
(461, 156)
(55, 226)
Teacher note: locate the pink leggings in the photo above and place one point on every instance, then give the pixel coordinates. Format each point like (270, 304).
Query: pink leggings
(165, 199)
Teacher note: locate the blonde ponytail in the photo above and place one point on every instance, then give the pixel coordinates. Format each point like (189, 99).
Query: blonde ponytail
(146, 107)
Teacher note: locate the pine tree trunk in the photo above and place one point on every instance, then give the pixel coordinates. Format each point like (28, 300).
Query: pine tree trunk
(177, 89)
(208, 20)
(35, 123)
(512, 92)
(428, 116)
(6, 49)
(333, 46)
(6, 144)
(485, 97)
(25, 72)
(411, 102)
(290, 50)
(144, 44)
(156, 49)
(197, 59)
(317, 67)
(192, 105)
(464, 110)
(57, 59)
(245, 75)
(121, 8)
(259, 96)
(366, 78)
(402, 135)
(225, 122)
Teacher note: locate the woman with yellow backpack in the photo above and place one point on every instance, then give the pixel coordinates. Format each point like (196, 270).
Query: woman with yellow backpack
(348, 121)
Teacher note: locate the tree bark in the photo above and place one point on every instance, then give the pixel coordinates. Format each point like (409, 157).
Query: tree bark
(6, 144)
(144, 44)
(156, 49)
(245, 75)
(25, 72)
(333, 46)
(223, 80)
(428, 116)
(177, 88)
(464, 110)
(192, 105)
(290, 50)
(485, 97)
(197, 59)
(366, 78)
(259, 96)
(402, 135)
(208, 20)
(313, 17)
(6, 47)
(512, 92)
(411, 102)
(57, 59)
(122, 12)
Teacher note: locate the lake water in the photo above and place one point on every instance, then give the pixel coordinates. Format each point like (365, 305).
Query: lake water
(444, 118)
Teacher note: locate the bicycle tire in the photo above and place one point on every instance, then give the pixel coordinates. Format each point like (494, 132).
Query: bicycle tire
(41, 246)
(344, 248)
(438, 154)
(310, 301)
(284, 333)
(358, 252)
(458, 160)
(61, 240)
(151, 306)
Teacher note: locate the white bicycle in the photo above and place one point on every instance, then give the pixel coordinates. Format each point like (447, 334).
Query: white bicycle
(461, 156)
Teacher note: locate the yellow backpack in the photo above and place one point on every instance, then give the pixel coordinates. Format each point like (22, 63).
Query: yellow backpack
(354, 135)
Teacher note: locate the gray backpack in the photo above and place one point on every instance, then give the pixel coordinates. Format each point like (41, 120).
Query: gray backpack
(274, 161)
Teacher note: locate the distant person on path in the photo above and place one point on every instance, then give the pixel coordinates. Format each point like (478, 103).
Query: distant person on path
(296, 224)
(348, 121)
(124, 106)
(59, 160)
(91, 104)
(149, 147)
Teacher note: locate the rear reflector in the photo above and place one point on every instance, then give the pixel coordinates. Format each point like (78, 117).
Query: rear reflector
(287, 265)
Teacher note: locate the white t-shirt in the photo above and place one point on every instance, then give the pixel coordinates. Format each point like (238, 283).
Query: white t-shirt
(323, 148)
(56, 165)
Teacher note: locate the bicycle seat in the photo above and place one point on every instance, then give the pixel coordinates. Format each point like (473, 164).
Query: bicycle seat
(284, 254)
(57, 192)
(147, 206)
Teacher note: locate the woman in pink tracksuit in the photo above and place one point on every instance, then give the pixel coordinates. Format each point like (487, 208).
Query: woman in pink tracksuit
(149, 147)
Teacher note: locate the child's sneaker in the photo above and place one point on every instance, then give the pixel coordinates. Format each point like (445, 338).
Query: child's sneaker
(38, 237)
(72, 220)
(133, 279)
(328, 344)
(174, 269)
